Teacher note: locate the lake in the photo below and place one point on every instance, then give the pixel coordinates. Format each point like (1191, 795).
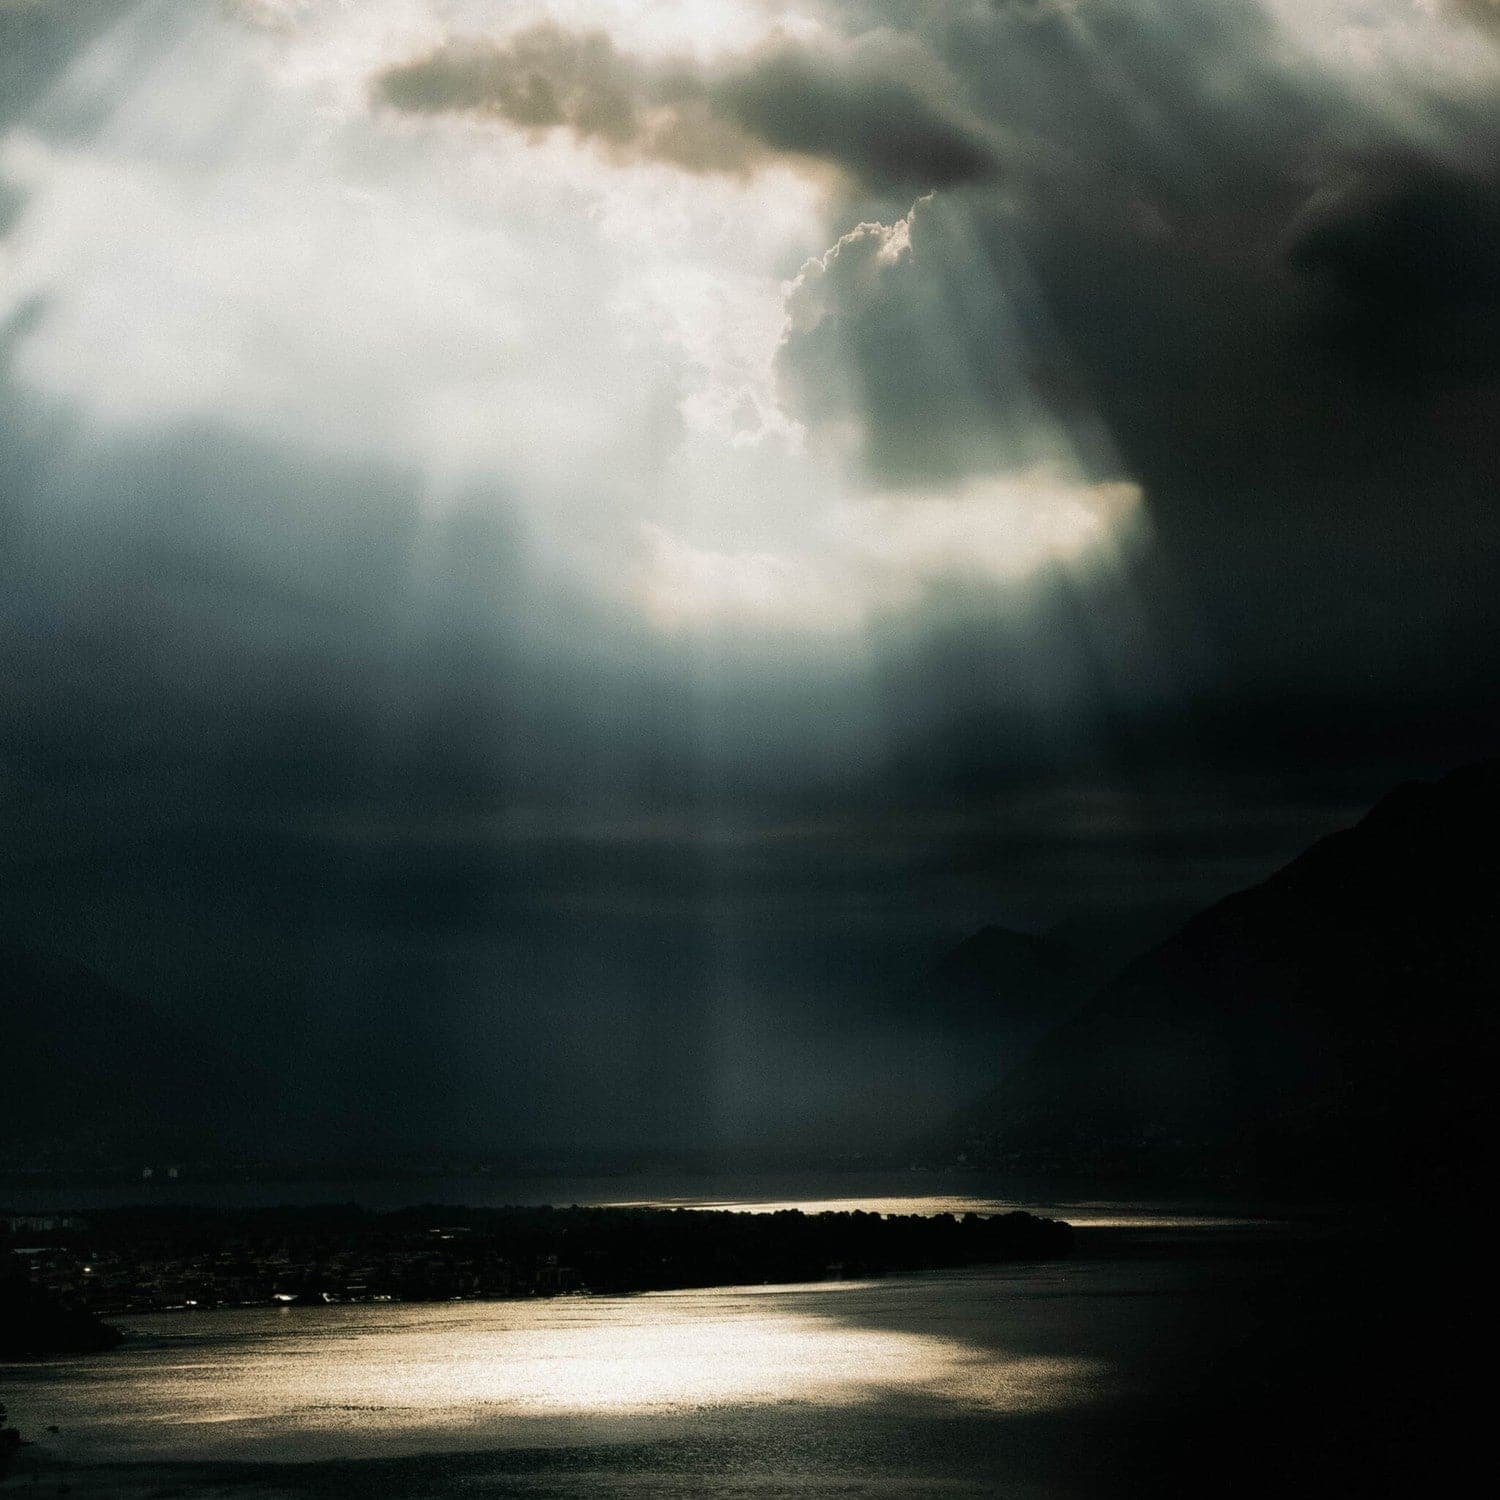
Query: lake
(1177, 1353)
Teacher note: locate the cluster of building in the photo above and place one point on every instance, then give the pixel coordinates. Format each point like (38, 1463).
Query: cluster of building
(426, 1264)
(146, 1257)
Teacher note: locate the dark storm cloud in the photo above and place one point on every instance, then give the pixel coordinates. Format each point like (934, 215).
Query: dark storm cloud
(877, 108)
(260, 769)
(1405, 256)
(925, 334)
(1255, 270)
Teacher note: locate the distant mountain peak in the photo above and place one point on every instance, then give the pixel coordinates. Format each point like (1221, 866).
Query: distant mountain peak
(993, 945)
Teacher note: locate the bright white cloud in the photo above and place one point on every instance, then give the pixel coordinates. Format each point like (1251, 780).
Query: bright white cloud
(886, 553)
(232, 244)
(242, 239)
(1389, 54)
(861, 256)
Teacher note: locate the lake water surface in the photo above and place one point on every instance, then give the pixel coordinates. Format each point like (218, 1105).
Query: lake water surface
(1102, 1375)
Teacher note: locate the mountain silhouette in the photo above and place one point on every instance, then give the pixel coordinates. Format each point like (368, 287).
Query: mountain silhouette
(1333, 1025)
(93, 1073)
(1016, 984)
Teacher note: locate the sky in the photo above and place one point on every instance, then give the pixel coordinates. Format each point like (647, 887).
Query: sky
(555, 556)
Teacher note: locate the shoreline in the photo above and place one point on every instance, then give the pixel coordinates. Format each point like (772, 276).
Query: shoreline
(1129, 1325)
(134, 1261)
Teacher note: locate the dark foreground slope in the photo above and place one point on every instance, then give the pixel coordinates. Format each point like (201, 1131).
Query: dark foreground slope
(1333, 1026)
(35, 1322)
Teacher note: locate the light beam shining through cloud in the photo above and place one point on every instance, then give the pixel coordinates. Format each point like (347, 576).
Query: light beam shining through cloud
(580, 542)
(498, 265)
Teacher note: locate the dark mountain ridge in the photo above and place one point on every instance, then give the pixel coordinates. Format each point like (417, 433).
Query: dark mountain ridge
(1016, 984)
(1334, 1024)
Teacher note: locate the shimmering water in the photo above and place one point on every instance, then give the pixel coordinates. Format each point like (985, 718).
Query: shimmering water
(329, 1382)
(1084, 1213)
(1187, 1349)
(1023, 1380)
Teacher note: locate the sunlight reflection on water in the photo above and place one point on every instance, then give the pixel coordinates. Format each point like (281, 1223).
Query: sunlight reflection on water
(1103, 1215)
(326, 1380)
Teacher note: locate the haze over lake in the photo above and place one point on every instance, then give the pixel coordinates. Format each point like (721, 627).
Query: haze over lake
(812, 1192)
